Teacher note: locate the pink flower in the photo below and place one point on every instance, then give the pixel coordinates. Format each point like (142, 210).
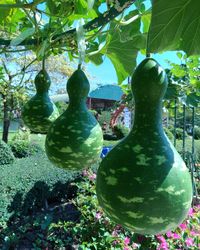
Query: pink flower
(135, 246)
(126, 248)
(189, 242)
(193, 233)
(191, 212)
(183, 226)
(85, 172)
(98, 215)
(114, 233)
(163, 246)
(115, 242)
(169, 234)
(176, 236)
(161, 238)
(92, 177)
(127, 241)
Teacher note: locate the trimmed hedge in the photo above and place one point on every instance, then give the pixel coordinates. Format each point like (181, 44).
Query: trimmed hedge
(22, 148)
(188, 147)
(27, 184)
(6, 155)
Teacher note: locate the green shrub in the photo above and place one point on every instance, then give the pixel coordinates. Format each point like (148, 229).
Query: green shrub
(169, 134)
(29, 183)
(188, 147)
(22, 148)
(197, 133)
(104, 116)
(120, 131)
(6, 155)
(179, 134)
(21, 136)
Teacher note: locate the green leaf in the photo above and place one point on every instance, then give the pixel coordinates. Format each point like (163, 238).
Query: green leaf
(175, 25)
(179, 54)
(146, 19)
(96, 59)
(193, 100)
(122, 54)
(25, 34)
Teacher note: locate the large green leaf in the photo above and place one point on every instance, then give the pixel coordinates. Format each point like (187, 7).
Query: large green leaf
(175, 25)
(122, 46)
(5, 12)
(25, 34)
(122, 54)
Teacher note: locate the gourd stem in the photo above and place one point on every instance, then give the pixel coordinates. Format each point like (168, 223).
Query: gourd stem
(79, 66)
(43, 63)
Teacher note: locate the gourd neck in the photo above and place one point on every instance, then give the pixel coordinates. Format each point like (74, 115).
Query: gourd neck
(148, 116)
(42, 93)
(78, 103)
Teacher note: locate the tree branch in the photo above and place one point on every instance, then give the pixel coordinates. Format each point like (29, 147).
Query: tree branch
(101, 20)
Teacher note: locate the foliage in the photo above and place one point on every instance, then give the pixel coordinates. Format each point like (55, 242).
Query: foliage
(184, 81)
(188, 148)
(172, 26)
(82, 225)
(120, 131)
(197, 133)
(6, 155)
(21, 136)
(179, 133)
(29, 183)
(104, 116)
(24, 148)
(61, 106)
(169, 134)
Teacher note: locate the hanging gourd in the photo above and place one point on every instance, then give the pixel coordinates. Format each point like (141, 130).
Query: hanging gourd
(143, 183)
(74, 141)
(39, 112)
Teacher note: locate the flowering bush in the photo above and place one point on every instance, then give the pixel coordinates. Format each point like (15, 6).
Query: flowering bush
(101, 233)
(79, 223)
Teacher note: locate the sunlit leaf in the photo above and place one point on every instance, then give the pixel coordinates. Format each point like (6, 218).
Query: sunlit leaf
(25, 34)
(175, 25)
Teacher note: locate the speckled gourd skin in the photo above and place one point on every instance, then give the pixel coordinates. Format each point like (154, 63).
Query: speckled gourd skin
(143, 183)
(75, 139)
(39, 112)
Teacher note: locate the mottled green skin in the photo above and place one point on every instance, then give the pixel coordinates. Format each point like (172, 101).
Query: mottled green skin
(143, 183)
(75, 139)
(39, 112)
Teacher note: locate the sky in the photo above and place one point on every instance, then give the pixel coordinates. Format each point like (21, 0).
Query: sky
(106, 74)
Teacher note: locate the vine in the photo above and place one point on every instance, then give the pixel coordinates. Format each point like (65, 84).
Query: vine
(101, 20)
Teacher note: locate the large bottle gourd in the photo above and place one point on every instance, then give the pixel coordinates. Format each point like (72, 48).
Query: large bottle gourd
(75, 139)
(39, 112)
(143, 183)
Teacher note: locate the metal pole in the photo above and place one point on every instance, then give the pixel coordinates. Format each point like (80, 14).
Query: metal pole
(175, 116)
(184, 129)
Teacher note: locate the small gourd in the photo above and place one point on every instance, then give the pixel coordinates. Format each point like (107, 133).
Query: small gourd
(39, 112)
(75, 139)
(143, 183)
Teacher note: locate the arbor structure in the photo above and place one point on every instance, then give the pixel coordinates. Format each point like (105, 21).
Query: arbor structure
(117, 29)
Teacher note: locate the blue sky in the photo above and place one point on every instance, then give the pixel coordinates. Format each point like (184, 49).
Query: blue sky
(106, 74)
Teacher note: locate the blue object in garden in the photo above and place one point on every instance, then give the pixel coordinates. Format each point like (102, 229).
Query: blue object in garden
(104, 151)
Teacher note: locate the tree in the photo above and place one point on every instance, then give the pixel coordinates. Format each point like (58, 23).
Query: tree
(17, 84)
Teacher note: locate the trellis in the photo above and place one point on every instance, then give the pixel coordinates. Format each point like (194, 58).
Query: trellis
(188, 156)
